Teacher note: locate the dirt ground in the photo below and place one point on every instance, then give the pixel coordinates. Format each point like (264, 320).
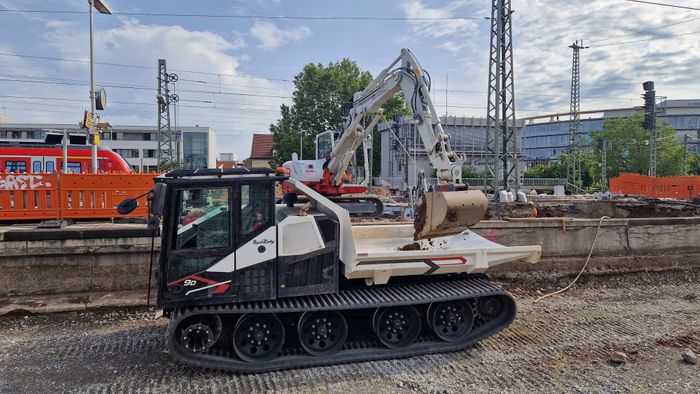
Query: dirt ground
(561, 344)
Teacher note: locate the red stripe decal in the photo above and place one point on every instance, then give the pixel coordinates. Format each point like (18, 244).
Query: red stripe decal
(221, 289)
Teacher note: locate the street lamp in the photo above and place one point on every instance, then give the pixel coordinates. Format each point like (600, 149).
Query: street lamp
(103, 8)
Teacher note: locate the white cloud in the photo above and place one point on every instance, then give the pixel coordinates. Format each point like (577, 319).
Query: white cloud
(451, 46)
(611, 76)
(235, 95)
(436, 28)
(543, 59)
(271, 36)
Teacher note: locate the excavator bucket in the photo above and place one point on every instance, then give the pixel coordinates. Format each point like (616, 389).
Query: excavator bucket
(447, 213)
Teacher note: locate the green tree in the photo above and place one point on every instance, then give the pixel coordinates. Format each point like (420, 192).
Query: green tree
(319, 93)
(693, 164)
(471, 172)
(627, 148)
(559, 168)
(546, 171)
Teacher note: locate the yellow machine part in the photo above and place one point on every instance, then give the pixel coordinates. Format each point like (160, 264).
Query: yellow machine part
(447, 213)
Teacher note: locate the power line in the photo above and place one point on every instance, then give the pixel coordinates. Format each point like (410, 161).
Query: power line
(646, 39)
(59, 59)
(536, 95)
(215, 108)
(646, 30)
(664, 4)
(135, 87)
(232, 16)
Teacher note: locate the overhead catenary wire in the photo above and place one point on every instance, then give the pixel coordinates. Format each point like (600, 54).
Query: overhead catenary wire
(234, 16)
(272, 79)
(60, 59)
(593, 42)
(684, 7)
(645, 39)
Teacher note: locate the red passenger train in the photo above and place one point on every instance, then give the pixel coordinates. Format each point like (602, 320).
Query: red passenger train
(49, 158)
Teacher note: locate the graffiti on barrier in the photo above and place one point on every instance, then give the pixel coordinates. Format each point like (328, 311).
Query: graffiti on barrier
(23, 182)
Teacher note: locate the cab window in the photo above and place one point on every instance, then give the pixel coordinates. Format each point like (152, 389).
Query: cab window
(256, 209)
(203, 219)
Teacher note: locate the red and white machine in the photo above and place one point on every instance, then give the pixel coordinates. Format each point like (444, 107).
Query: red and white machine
(328, 174)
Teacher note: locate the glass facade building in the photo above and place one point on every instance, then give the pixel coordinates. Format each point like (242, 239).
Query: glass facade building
(195, 149)
(544, 138)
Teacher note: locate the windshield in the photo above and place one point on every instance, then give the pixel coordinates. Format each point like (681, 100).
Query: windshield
(203, 219)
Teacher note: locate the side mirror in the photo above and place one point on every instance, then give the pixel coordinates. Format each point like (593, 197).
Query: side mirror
(127, 206)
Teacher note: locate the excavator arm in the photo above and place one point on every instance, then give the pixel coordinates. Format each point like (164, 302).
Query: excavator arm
(445, 212)
(403, 74)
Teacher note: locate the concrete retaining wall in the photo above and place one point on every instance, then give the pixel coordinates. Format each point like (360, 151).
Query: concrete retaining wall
(81, 259)
(567, 237)
(99, 259)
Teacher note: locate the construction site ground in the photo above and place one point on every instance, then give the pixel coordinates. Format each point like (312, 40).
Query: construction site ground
(562, 344)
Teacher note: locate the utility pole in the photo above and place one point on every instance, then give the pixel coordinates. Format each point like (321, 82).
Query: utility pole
(103, 8)
(603, 147)
(501, 130)
(650, 122)
(574, 170)
(165, 152)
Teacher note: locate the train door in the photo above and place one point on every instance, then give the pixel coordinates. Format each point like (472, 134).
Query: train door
(49, 164)
(42, 164)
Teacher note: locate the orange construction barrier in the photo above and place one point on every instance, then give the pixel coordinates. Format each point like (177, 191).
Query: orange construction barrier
(659, 187)
(70, 196)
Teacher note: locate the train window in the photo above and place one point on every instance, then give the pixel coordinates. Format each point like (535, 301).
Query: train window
(73, 167)
(36, 166)
(15, 166)
(50, 166)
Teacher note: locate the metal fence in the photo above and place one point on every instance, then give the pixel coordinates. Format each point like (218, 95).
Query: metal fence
(70, 196)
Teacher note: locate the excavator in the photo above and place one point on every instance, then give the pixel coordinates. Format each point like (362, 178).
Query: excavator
(252, 286)
(449, 210)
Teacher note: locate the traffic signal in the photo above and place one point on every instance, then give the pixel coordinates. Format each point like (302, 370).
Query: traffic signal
(649, 105)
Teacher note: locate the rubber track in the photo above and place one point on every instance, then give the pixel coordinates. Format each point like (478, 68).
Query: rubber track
(364, 298)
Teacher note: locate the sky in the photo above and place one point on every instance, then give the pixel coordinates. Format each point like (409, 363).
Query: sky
(235, 70)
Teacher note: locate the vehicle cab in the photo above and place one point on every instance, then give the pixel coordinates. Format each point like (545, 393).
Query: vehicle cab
(215, 223)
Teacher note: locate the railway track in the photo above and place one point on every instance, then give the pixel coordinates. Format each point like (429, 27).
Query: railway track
(560, 344)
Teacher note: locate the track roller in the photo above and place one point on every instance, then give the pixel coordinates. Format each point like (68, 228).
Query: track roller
(258, 337)
(490, 306)
(397, 326)
(451, 320)
(322, 333)
(199, 333)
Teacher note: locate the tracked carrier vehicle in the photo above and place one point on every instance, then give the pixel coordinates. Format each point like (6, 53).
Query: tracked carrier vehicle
(250, 286)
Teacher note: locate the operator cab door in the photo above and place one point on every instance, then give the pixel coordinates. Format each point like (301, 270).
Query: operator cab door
(198, 249)
(256, 241)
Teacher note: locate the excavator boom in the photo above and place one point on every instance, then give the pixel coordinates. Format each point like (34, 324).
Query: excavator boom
(449, 212)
